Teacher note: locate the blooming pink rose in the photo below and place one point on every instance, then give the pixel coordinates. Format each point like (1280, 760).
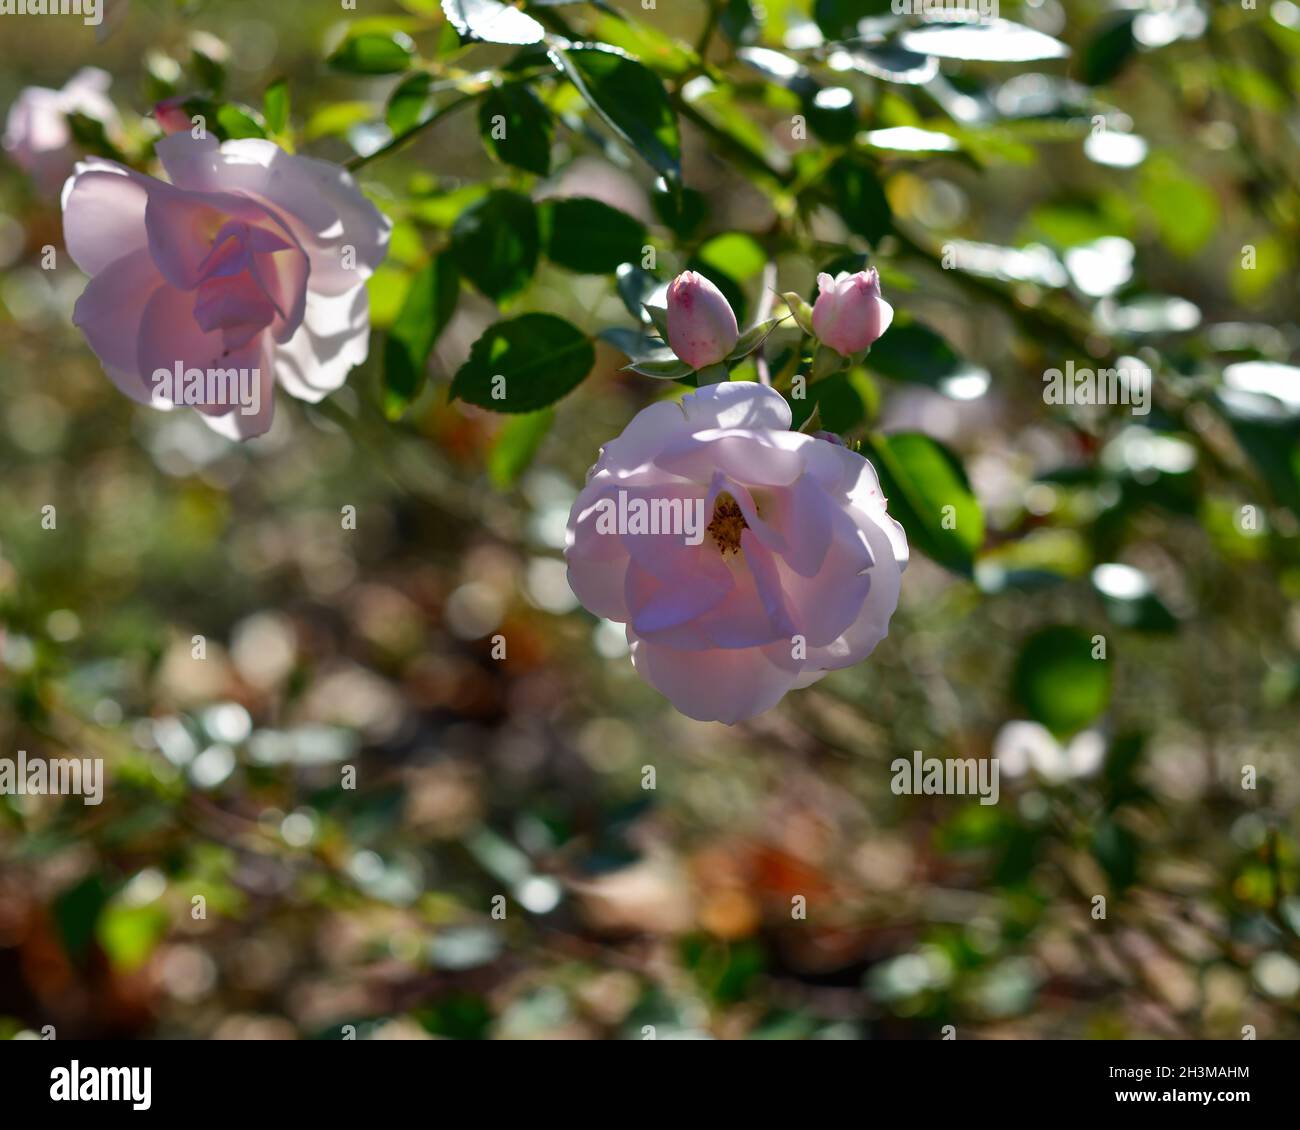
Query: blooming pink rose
(250, 260)
(849, 313)
(37, 135)
(702, 326)
(797, 567)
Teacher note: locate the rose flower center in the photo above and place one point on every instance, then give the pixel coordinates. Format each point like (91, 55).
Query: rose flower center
(727, 525)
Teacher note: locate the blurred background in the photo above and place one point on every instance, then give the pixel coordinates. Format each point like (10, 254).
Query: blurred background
(199, 618)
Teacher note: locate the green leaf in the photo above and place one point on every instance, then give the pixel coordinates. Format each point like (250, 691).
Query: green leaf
(1127, 596)
(753, 338)
(207, 62)
(838, 19)
(669, 369)
(275, 105)
(1057, 680)
(832, 113)
(989, 41)
(1117, 849)
(129, 934)
(590, 237)
(1183, 208)
(799, 310)
(682, 211)
(913, 352)
(635, 344)
(930, 496)
(76, 912)
(335, 119)
(516, 445)
(860, 199)
(493, 21)
(631, 100)
(825, 361)
(235, 121)
(892, 63)
(89, 133)
(738, 21)
(1109, 49)
(839, 404)
(658, 318)
(430, 303)
(410, 103)
(374, 53)
(736, 254)
(539, 357)
(524, 125)
(495, 241)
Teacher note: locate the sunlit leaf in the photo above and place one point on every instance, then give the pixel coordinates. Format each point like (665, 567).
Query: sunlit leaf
(1057, 680)
(275, 106)
(993, 41)
(374, 54)
(631, 100)
(410, 102)
(516, 128)
(930, 496)
(1109, 49)
(429, 305)
(493, 21)
(524, 364)
(589, 236)
(516, 445)
(496, 242)
(860, 199)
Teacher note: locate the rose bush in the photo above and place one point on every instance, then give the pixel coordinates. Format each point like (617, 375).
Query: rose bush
(799, 572)
(250, 258)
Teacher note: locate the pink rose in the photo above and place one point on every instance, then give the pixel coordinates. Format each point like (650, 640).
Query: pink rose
(171, 116)
(761, 558)
(250, 262)
(37, 135)
(702, 326)
(849, 313)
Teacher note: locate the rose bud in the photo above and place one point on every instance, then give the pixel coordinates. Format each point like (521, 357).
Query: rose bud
(171, 116)
(849, 313)
(702, 327)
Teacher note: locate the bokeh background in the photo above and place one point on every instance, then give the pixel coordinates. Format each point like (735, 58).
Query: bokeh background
(1168, 234)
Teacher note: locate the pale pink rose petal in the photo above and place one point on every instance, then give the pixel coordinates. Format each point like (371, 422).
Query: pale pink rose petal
(755, 457)
(109, 313)
(103, 215)
(333, 339)
(719, 685)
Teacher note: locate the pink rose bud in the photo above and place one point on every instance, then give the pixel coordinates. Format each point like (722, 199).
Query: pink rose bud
(849, 313)
(701, 324)
(171, 116)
